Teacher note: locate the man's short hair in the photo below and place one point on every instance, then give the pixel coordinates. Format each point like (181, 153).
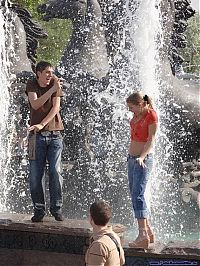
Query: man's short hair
(100, 212)
(41, 66)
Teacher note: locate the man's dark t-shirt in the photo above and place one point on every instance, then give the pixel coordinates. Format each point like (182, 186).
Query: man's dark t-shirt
(36, 116)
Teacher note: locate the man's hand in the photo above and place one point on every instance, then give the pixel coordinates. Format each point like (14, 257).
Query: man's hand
(36, 127)
(57, 80)
(58, 83)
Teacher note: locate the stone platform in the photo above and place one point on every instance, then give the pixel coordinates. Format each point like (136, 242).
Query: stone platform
(52, 243)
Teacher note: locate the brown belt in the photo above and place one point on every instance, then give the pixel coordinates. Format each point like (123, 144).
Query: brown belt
(49, 133)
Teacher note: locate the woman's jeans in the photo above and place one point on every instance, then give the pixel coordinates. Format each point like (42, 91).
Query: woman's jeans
(48, 148)
(138, 178)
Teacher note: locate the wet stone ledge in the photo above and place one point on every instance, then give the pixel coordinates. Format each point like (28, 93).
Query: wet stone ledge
(69, 236)
(43, 242)
(177, 253)
(52, 243)
(63, 237)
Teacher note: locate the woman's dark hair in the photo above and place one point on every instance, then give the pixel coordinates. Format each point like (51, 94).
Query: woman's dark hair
(100, 212)
(136, 98)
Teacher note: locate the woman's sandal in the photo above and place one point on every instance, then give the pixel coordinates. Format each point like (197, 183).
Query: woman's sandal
(152, 238)
(150, 234)
(143, 243)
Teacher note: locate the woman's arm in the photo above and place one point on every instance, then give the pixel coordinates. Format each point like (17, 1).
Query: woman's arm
(147, 147)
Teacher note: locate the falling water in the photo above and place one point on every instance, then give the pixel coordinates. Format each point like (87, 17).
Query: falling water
(140, 71)
(5, 105)
(139, 67)
(146, 35)
(146, 40)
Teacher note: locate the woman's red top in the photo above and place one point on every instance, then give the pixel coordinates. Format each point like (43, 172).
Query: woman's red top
(140, 129)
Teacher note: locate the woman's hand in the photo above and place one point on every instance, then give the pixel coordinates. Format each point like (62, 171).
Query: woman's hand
(36, 127)
(141, 162)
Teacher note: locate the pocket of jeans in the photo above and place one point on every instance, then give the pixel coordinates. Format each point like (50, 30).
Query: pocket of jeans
(31, 146)
(57, 135)
(149, 164)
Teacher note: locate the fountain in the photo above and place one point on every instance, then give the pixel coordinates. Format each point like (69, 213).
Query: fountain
(5, 115)
(96, 120)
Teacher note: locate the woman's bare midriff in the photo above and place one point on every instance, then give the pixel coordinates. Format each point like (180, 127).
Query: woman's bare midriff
(136, 148)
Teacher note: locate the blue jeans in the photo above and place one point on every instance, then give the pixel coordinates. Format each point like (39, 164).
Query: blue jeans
(138, 178)
(48, 147)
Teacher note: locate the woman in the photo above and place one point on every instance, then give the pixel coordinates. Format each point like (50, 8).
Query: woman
(140, 161)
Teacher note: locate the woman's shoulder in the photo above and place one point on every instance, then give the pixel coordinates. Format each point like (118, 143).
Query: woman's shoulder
(152, 114)
(152, 111)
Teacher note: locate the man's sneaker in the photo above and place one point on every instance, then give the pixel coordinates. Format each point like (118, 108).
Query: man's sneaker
(59, 217)
(37, 218)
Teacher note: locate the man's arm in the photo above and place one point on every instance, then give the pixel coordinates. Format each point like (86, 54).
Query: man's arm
(36, 102)
(54, 110)
(96, 255)
(122, 258)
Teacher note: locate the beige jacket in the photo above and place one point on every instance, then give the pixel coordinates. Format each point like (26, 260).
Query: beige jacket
(103, 251)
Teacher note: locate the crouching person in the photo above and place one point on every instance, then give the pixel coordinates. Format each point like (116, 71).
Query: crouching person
(105, 247)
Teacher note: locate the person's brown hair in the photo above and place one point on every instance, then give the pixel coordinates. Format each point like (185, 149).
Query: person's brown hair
(100, 212)
(136, 98)
(41, 66)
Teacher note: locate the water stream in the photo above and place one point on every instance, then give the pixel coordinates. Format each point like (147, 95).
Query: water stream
(139, 69)
(6, 115)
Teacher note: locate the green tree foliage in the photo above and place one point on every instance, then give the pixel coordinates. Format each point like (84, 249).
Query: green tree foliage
(191, 53)
(58, 30)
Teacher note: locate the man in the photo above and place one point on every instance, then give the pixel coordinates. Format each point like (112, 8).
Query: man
(45, 140)
(105, 247)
